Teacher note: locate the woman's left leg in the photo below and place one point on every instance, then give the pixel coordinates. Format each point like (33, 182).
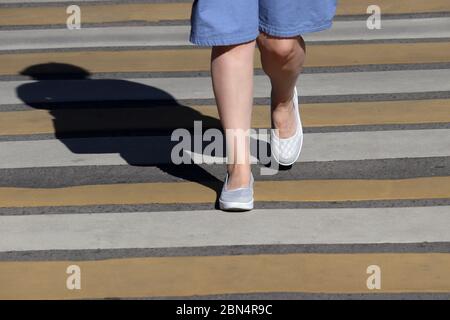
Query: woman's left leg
(282, 60)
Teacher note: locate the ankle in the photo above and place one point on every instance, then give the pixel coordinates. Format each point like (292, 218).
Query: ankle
(239, 170)
(238, 176)
(284, 103)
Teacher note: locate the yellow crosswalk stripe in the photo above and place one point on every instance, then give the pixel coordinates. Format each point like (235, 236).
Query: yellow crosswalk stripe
(188, 192)
(102, 13)
(313, 115)
(332, 55)
(359, 7)
(188, 276)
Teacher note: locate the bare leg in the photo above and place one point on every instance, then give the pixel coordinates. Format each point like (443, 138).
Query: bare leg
(232, 76)
(282, 60)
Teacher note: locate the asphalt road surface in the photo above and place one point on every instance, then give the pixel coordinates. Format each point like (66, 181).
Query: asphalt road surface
(86, 177)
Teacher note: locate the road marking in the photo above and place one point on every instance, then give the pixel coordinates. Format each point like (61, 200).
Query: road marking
(175, 60)
(189, 276)
(47, 1)
(359, 7)
(153, 150)
(316, 85)
(101, 13)
(211, 228)
(313, 115)
(189, 192)
(149, 36)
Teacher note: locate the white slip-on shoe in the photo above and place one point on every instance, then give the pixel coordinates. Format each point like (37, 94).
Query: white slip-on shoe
(287, 151)
(240, 199)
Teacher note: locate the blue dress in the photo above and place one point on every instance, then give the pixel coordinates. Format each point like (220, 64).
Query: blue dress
(226, 22)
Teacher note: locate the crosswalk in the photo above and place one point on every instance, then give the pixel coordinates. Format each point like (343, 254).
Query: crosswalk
(86, 178)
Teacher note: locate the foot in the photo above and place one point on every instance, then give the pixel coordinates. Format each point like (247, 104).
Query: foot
(283, 118)
(286, 147)
(240, 199)
(239, 176)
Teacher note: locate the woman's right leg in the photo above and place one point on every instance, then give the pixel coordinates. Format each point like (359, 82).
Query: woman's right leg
(232, 76)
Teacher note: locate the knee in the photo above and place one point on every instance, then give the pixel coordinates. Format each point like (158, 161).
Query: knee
(284, 52)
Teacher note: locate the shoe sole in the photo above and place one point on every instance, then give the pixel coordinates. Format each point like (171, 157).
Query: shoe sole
(235, 206)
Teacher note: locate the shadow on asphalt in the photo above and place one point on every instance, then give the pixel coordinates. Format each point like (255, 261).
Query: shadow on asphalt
(85, 108)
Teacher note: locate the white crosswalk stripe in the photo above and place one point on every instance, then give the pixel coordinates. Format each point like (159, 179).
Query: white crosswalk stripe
(144, 36)
(334, 146)
(209, 228)
(180, 88)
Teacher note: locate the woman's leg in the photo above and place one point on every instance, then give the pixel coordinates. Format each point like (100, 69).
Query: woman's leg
(282, 60)
(232, 76)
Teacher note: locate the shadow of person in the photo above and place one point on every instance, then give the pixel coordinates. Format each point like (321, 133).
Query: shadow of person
(138, 128)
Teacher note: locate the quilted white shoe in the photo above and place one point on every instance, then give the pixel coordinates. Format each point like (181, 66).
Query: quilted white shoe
(286, 151)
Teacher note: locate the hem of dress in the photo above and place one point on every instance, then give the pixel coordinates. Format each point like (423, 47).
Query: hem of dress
(207, 42)
(270, 30)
